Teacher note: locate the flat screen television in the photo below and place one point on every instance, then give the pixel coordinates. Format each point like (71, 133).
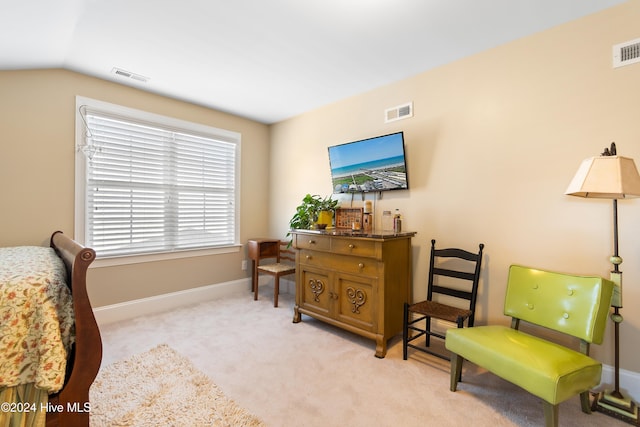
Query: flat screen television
(373, 164)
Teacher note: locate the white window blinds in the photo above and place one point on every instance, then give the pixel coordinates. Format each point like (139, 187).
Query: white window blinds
(151, 189)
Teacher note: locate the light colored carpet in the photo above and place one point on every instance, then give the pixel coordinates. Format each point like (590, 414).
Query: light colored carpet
(161, 388)
(310, 374)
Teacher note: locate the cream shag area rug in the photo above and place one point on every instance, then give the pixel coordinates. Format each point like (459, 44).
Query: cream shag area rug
(161, 388)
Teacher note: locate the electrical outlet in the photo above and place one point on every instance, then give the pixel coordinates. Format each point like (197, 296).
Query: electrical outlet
(244, 264)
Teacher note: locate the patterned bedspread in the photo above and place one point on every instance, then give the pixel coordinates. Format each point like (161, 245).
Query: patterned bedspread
(36, 318)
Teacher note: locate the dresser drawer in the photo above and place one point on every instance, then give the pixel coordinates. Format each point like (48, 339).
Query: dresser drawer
(356, 265)
(356, 247)
(309, 241)
(340, 263)
(317, 258)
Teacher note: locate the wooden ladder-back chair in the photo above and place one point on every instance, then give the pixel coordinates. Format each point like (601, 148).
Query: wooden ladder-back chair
(454, 275)
(284, 264)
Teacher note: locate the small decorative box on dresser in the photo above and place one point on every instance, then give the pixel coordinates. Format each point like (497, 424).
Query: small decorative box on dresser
(356, 281)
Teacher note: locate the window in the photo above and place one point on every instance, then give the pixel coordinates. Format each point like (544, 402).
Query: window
(153, 184)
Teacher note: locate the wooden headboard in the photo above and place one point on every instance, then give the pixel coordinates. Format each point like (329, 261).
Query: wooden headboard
(86, 355)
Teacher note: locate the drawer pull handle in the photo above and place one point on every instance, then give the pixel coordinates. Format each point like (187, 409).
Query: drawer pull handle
(312, 242)
(352, 246)
(308, 257)
(361, 266)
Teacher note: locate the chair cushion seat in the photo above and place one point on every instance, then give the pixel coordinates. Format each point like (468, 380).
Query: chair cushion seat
(440, 311)
(548, 370)
(277, 268)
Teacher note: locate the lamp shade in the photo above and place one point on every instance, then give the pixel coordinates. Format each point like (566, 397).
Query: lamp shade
(606, 177)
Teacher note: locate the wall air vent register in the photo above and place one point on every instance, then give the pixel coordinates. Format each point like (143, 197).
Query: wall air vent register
(399, 112)
(129, 75)
(626, 53)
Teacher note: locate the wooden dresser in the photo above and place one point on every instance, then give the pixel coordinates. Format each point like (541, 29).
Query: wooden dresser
(358, 282)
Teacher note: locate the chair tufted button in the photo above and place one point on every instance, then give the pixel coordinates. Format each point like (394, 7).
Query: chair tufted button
(566, 315)
(535, 286)
(570, 292)
(530, 306)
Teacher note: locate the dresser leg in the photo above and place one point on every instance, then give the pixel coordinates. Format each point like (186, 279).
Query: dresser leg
(296, 315)
(381, 347)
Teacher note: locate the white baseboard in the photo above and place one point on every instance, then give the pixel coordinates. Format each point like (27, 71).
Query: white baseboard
(159, 303)
(629, 382)
(287, 286)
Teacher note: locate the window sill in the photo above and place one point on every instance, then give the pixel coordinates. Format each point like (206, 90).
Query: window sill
(138, 259)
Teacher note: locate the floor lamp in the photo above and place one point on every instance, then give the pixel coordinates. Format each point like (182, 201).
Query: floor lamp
(610, 176)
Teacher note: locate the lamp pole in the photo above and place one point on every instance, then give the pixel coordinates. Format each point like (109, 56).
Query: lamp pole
(614, 403)
(616, 276)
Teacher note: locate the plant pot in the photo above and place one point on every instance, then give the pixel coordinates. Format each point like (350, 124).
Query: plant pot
(325, 217)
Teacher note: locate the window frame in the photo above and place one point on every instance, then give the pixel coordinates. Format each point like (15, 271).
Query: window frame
(80, 222)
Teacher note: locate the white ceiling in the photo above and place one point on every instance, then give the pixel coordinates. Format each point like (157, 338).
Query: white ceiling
(267, 60)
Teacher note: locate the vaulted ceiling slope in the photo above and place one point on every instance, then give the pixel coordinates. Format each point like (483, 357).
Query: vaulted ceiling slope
(266, 60)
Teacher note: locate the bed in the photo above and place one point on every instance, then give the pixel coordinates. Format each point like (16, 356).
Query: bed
(50, 345)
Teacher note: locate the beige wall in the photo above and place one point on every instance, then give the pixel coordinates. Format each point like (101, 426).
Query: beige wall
(37, 177)
(493, 144)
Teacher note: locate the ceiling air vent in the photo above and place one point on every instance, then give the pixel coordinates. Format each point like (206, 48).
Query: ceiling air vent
(626, 53)
(129, 75)
(399, 112)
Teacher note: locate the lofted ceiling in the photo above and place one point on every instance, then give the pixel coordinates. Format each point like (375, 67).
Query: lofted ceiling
(266, 60)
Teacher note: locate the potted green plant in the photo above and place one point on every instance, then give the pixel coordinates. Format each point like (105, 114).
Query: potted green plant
(308, 214)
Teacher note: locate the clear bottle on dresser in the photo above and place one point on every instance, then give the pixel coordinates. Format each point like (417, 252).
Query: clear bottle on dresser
(397, 222)
(387, 221)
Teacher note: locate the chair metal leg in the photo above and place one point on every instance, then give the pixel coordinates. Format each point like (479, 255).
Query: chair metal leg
(456, 371)
(550, 414)
(584, 402)
(405, 331)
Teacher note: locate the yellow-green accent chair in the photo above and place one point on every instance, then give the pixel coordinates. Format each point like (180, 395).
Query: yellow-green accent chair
(574, 305)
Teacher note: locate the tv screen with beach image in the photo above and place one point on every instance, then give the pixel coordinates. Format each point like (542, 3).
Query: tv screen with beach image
(374, 164)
